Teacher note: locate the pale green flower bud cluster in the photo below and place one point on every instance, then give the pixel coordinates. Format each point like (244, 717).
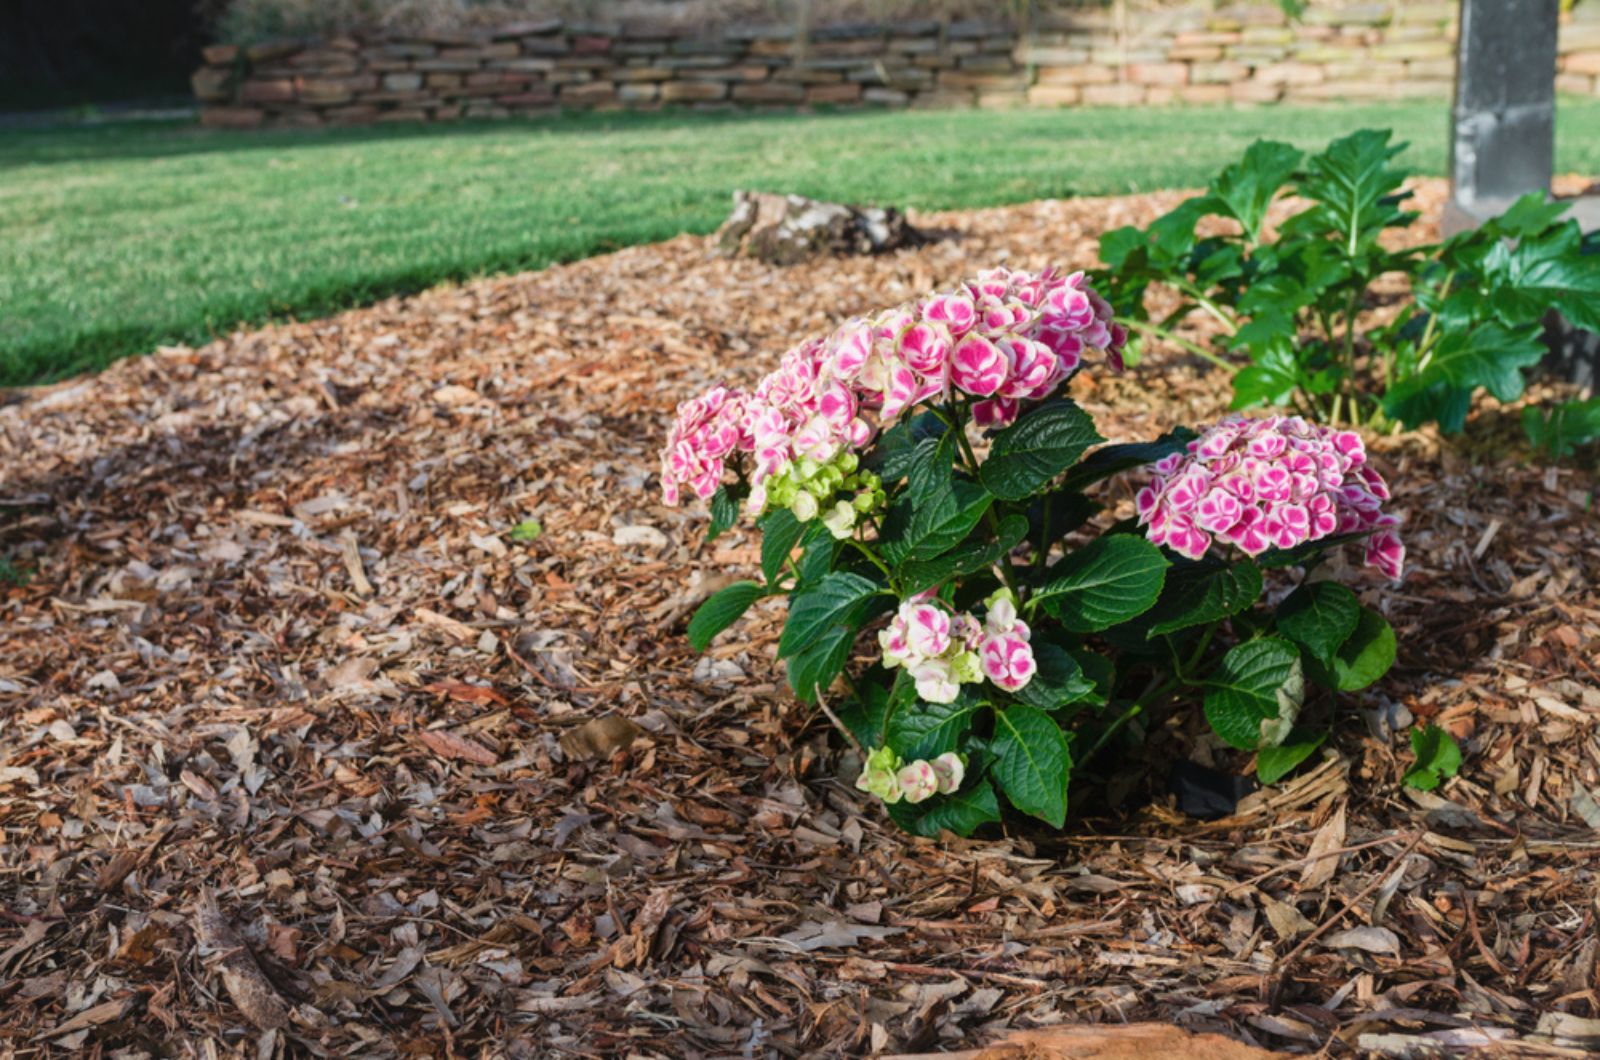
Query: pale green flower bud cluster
(885, 776)
(809, 489)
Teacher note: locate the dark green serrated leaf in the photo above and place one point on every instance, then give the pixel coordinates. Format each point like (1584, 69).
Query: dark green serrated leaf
(815, 666)
(1275, 763)
(1195, 595)
(1320, 616)
(1110, 460)
(1032, 763)
(917, 575)
(916, 534)
(1489, 355)
(1058, 682)
(780, 532)
(721, 610)
(838, 600)
(963, 813)
(1110, 580)
(724, 513)
(1245, 189)
(817, 555)
(890, 456)
(1363, 658)
(1038, 447)
(928, 730)
(1244, 690)
(1561, 429)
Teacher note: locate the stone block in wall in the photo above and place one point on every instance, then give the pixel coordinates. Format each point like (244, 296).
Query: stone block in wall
(1158, 73)
(987, 64)
(405, 98)
(445, 81)
(570, 77)
(990, 99)
(1050, 56)
(807, 76)
(232, 117)
(1340, 52)
(299, 118)
(885, 97)
(1374, 14)
(914, 45)
(1161, 95)
(1084, 74)
(1111, 55)
(407, 82)
(1420, 49)
(1195, 53)
(1202, 94)
(997, 45)
(380, 65)
(696, 62)
(1364, 71)
(1055, 95)
(1581, 63)
(1266, 35)
(1346, 90)
(1118, 95)
(1435, 11)
(212, 84)
(641, 73)
(447, 112)
(640, 49)
(524, 64)
(726, 73)
(535, 96)
(693, 91)
(409, 49)
(1575, 84)
(483, 108)
(833, 94)
(1289, 73)
(770, 92)
(1254, 92)
(398, 115)
(329, 60)
(589, 93)
(961, 47)
(321, 90)
(1222, 73)
(1401, 34)
(220, 54)
(446, 66)
(1257, 53)
(965, 79)
(975, 28)
(355, 114)
(265, 90)
(944, 99)
(842, 31)
(1208, 38)
(914, 27)
(638, 91)
(1074, 21)
(267, 51)
(761, 31)
(554, 46)
(703, 46)
(1578, 36)
(772, 48)
(529, 27)
(854, 48)
(1431, 69)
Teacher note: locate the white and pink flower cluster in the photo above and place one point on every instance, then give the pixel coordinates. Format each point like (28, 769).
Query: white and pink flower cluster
(1005, 337)
(1274, 482)
(943, 651)
(883, 775)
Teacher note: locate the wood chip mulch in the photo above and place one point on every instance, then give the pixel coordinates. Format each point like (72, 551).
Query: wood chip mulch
(302, 752)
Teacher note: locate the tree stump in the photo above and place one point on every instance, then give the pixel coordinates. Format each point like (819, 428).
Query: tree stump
(786, 229)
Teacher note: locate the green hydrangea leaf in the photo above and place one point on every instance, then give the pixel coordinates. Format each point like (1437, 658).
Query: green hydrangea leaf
(721, 610)
(1032, 763)
(1319, 616)
(1039, 446)
(1243, 692)
(1112, 579)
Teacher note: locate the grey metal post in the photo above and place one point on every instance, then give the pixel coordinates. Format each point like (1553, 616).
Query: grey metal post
(1503, 142)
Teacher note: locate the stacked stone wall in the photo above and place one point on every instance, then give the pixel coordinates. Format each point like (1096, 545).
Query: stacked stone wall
(1246, 54)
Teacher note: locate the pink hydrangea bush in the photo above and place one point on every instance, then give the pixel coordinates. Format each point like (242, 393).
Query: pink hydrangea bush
(924, 487)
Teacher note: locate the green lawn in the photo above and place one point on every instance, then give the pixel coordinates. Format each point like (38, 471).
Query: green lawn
(118, 238)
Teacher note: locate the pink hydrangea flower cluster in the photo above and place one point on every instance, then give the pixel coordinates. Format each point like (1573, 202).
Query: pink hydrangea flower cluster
(1274, 482)
(1002, 338)
(943, 651)
(884, 775)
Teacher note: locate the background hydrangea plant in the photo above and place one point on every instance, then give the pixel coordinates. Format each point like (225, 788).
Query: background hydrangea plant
(927, 495)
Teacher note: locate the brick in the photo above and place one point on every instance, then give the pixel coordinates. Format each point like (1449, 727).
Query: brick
(1114, 56)
(641, 73)
(232, 117)
(692, 91)
(833, 94)
(317, 90)
(1257, 53)
(1573, 37)
(885, 97)
(266, 51)
(803, 76)
(1575, 84)
(1426, 49)
(276, 90)
(1266, 35)
(1581, 63)
(1123, 95)
(406, 50)
(1289, 74)
(638, 92)
(1055, 95)
(987, 64)
(1223, 73)
(590, 92)
(542, 46)
(591, 45)
(1206, 94)
(770, 92)
(1077, 75)
(446, 66)
(220, 54)
(1037, 56)
(1158, 73)
(1254, 92)
(1207, 38)
(962, 79)
(1195, 53)
(775, 48)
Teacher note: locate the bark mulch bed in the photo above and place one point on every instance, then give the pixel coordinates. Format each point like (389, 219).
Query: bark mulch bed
(302, 750)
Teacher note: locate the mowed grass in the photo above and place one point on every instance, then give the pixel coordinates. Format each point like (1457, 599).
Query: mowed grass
(116, 239)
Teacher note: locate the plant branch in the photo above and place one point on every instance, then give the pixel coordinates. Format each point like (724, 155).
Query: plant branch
(1150, 330)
